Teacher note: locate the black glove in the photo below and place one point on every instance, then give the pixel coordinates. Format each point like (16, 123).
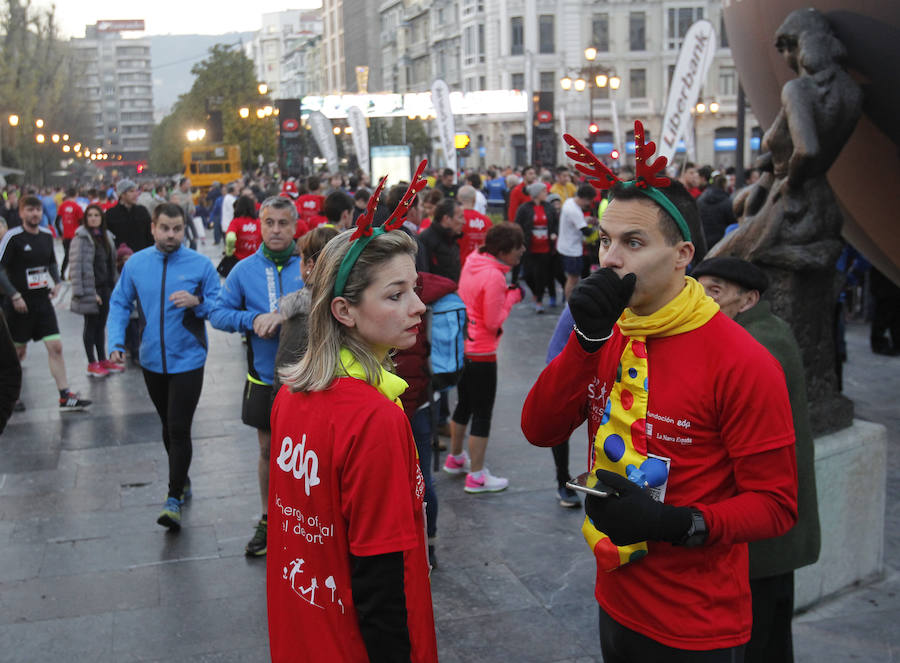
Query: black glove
(633, 515)
(597, 302)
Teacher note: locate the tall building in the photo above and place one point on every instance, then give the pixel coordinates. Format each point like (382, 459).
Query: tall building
(532, 45)
(302, 70)
(118, 87)
(282, 33)
(333, 46)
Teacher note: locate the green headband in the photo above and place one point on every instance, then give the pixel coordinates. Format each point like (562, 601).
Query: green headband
(660, 198)
(350, 258)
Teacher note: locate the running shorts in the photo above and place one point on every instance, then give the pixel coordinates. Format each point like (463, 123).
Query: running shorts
(37, 325)
(257, 408)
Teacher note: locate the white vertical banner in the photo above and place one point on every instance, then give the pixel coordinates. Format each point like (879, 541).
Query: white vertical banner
(694, 60)
(324, 137)
(440, 99)
(360, 137)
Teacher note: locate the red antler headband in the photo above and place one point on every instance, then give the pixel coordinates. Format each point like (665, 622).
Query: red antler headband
(646, 179)
(365, 233)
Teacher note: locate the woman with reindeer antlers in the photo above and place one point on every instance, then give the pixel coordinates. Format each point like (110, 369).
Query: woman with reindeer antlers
(347, 569)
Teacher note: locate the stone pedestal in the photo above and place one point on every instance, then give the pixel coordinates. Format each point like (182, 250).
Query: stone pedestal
(851, 469)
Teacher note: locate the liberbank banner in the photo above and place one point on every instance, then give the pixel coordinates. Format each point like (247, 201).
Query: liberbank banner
(697, 51)
(415, 105)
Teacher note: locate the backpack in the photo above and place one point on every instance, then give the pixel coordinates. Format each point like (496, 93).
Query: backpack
(447, 334)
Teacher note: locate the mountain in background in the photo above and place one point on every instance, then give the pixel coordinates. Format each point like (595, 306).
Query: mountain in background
(172, 57)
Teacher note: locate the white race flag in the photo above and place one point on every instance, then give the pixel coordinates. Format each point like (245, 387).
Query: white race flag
(440, 99)
(696, 56)
(360, 137)
(324, 136)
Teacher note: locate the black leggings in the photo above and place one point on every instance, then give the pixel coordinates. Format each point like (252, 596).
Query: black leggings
(561, 461)
(620, 644)
(67, 243)
(94, 334)
(476, 390)
(175, 397)
(539, 274)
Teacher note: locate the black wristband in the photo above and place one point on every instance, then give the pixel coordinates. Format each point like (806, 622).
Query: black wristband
(697, 533)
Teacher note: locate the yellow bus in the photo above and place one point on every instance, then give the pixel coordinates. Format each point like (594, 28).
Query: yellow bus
(217, 163)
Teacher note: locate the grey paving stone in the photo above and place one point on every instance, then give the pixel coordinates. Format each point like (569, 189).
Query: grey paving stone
(202, 628)
(129, 550)
(189, 582)
(86, 638)
(20, 561)
(21, 484)
(39, 599)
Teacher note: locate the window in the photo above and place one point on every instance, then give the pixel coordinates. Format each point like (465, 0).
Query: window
(678, 21)
(517, 81)
(727, 81)
(723, 35)
(481, 42)
(600, 32)
(469, 46)
(482, 83)
(517, 36)
(637, 83)
(637, 31)
(547, 41)
(548, 81)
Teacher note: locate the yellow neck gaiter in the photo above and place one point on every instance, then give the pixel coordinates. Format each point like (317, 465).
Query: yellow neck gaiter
(390, 385)
(621, 444)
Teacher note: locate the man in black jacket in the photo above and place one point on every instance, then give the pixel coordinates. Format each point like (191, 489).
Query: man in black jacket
(440, 239)
(127, 221)
(10, 374)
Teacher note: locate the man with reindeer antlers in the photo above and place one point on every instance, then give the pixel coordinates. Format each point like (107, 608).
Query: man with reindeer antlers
(690, 424)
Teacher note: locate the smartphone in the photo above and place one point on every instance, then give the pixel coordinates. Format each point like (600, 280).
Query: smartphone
(590, 484)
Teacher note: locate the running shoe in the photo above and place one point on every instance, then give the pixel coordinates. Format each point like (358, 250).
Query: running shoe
(486, 483)
(567, 498)
(96, 369)
(186, 492)
(457, 464)
(171, 514)
(19, 406)
(553, 302)
(538, 308)
(112, 366)
(257, 545)
(71, 403)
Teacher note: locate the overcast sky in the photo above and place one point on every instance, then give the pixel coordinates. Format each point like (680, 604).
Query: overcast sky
(171, 16)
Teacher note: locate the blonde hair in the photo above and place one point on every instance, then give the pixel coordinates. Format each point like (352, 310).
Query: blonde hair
(320, 365)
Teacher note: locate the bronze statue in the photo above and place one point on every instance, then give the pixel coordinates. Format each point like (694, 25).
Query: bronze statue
(789, 220)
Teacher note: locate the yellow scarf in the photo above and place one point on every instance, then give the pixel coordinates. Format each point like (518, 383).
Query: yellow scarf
(388, 384)
(621, 444)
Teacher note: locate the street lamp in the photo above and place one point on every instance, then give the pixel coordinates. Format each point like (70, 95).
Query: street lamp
(262, 88)
(40, 138)
(39, 123)
(593, 76)
(14, 120)
(194, 135)
(244, 112)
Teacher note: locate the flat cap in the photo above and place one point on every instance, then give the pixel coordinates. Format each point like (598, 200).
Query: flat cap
(745, 274)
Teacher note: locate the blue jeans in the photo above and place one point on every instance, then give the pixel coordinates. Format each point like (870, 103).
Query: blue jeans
(421, 429)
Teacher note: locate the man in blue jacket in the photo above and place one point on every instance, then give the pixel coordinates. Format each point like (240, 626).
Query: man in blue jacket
(248, 303)
(175, 288)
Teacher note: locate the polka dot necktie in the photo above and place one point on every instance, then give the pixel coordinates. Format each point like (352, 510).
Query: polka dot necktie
(620, 446)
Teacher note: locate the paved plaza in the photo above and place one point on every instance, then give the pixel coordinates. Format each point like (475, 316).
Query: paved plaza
(86, 574)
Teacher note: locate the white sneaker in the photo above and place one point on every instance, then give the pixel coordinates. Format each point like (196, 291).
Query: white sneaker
(454, 466)
(486, 483)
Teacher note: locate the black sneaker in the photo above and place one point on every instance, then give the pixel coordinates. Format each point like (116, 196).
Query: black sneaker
(567, 498)
(19, 406)
(71, 403)
(257, 545)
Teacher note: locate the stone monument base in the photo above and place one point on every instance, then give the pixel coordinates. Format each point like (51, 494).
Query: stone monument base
(851, 471)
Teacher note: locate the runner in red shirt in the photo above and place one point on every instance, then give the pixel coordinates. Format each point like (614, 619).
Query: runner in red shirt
(243, 236)
(651, 366)
(68, 219)
(519, 195)
(309, 205)
(476, 226)
(347, 574)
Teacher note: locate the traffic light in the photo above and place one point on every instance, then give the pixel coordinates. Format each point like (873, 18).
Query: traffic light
(593, 128)
(463, 142)
(614, 154)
